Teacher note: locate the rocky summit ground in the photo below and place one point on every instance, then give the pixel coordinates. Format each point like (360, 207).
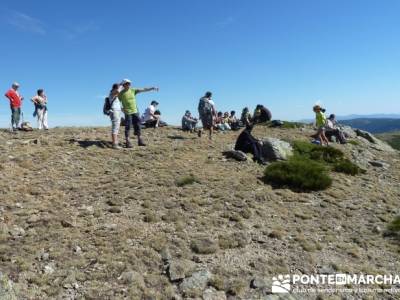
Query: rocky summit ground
(79, 220)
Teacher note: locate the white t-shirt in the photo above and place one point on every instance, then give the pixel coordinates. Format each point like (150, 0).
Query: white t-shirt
(148, 113)
(116, 104)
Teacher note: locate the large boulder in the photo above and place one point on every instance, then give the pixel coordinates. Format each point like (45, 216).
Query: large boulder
(376, 143)
(276, 149)
(194, 285)
(348, 131)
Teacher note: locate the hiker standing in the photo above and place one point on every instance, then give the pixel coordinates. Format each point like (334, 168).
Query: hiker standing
(15, 104)
(320, 122)
(127, 96)
(115, 114)
(40, 102)
(207, 113)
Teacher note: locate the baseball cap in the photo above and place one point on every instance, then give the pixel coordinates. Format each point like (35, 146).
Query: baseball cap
(125, 81)
(15, 84)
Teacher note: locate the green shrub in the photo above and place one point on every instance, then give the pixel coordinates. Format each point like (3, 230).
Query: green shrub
(354, 142)
(394, 226)
(347, 167)
(185, 180)
(299, 174)
(316, 152)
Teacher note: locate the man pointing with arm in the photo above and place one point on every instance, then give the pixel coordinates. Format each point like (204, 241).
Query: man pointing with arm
(127, 96)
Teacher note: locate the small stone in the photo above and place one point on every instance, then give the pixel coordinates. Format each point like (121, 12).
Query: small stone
(377, 229)
(179, 269)
(17, 232)
(77, 250)
(49, 269)
(68, 223)
(165, 254)
(195, 284)
(257, 283)
(115, 210)
(130, 277)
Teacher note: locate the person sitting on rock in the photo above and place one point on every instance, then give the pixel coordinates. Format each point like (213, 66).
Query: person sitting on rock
(333, 130)
(150, 118)
(320, 122)
(261, 114)
(246, 117)
(247, 143)
(233, 121)
(188, 122)
(222, 122)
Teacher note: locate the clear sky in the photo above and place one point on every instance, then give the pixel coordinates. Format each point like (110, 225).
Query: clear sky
(285, 54)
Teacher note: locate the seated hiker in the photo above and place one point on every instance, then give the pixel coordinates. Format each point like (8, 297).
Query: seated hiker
(222, 122)
(161, 123)
(246, 117)
(333, 130)
(150, 118)
(233, 121)
(249, 144)
(320, 122)
(261, 114)
(188, 122)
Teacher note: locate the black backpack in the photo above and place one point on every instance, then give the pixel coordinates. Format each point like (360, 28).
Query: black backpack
(205, 107)
(107, 106)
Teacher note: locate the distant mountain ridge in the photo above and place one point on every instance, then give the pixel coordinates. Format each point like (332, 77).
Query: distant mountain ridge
(373, 116)
(374, 125)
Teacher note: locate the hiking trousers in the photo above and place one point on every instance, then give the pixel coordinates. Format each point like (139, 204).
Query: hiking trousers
(132, 120)
(15, 116)
(42, 118)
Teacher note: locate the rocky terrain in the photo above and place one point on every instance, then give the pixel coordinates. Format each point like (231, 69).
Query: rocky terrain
(178, 220)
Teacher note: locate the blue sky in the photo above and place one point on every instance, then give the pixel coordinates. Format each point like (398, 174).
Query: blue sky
(285, 54)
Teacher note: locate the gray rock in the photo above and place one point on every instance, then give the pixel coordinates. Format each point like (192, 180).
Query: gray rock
(326, 270)
(130, 277)
(213, 294)
(258, 283)
(195, 284)
(348, 131)
(275, 149)
(179, 269)
(379, 164)
(376, 143)
(235, 154)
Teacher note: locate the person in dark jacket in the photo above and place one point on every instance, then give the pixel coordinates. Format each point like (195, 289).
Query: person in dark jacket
(249, 144)
(261, 114)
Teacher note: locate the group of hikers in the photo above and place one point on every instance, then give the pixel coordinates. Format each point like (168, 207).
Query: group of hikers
(327, 128)
(16, 100)
(121, 106)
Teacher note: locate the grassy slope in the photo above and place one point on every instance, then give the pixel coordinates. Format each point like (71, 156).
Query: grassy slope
(124, 208)
(392, 138)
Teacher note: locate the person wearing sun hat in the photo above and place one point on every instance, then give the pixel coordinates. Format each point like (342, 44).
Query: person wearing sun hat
(15, 104)
(127, 96)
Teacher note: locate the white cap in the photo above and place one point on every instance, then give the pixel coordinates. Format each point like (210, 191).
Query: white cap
(15, 84)
(125, 81)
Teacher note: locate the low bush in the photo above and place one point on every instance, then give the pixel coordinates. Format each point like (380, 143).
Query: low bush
(299, 174)
(316, 152)
(185, 180)
(394, 226)
(347, 167)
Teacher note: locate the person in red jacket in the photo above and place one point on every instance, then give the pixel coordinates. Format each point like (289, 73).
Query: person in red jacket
(15, 104)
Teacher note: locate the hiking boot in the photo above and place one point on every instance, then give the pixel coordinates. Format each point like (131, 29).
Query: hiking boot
(199, 133)
(129, 144)
(116, 146)
(141, 143)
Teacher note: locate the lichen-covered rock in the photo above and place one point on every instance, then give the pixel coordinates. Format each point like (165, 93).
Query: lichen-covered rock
(195, 285)
(276, 149)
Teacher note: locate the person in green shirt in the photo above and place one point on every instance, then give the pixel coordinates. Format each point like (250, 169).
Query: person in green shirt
(320, 122)
(127, 96)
